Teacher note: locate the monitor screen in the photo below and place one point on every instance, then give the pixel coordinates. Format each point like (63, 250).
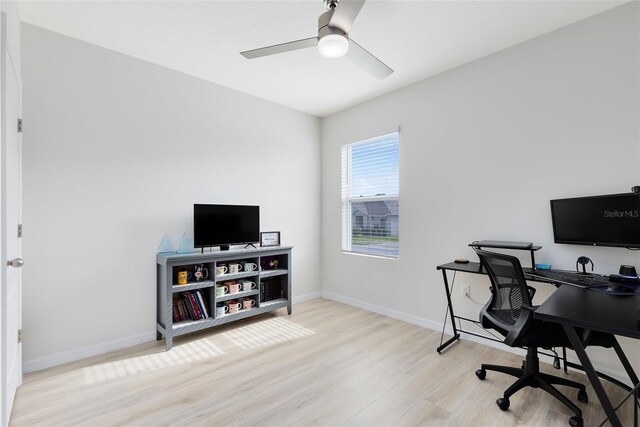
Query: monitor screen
(220, 225)
(612, 220)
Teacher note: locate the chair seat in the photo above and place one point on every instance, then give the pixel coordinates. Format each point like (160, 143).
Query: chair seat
(546, 334)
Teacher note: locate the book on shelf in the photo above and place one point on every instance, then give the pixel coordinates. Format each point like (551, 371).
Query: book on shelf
(190, 305)
(190, 310)
(181, 313)
(191, 301)
(202, 304)
(271, 289)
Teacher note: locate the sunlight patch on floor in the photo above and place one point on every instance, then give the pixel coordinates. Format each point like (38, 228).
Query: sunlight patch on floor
(267, 332)
(178, 355)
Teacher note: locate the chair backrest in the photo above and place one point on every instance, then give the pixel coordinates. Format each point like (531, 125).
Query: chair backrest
(509, 290)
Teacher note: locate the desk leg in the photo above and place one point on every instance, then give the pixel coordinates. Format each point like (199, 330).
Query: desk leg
(632, 376)
(456, 335)
(592, 375)
(625, 362)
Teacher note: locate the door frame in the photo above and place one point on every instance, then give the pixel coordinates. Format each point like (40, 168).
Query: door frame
(7, 61)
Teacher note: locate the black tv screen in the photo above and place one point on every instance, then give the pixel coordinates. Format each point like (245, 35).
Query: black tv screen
(612, 220)
(222, 225)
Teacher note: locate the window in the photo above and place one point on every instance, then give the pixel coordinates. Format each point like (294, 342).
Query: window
(370, 189)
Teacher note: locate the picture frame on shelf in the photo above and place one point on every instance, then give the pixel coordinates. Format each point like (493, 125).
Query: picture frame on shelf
(269, 238)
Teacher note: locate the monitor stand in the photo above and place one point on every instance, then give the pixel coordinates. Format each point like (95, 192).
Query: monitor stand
(250, 244)
(224, 247)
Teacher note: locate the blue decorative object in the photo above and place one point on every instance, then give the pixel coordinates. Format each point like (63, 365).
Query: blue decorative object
(186, 245)
(166, 246)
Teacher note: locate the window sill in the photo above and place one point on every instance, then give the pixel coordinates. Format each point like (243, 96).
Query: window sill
(371, 255)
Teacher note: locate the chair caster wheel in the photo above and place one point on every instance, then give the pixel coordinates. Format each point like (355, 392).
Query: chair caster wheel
(576, 422)
(481, 373)
(582, 396)
(503, 403)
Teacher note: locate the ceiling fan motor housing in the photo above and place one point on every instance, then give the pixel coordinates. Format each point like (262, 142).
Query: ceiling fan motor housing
(324, 28)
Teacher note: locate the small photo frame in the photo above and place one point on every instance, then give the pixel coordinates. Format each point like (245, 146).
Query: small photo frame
(270, 238)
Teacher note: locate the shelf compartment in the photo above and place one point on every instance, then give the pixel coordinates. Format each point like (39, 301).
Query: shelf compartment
(192, 286)
(228, 276)
(242, 294)
(272, 273)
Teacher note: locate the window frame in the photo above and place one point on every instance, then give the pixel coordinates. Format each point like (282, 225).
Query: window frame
(347, 200)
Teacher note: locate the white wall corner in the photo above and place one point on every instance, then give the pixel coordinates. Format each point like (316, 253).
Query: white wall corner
(297, 299)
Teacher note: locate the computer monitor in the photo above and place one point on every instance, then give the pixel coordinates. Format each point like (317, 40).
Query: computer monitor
(610, 220)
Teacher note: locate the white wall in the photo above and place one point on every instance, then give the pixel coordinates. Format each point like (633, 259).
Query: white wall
(483, 148)
(116, 151)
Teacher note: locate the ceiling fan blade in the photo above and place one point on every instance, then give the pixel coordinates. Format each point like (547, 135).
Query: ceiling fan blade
(362, 58)
(345, 13)
(280, 48)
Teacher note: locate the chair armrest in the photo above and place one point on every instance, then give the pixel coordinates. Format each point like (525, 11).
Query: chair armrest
(529, 308)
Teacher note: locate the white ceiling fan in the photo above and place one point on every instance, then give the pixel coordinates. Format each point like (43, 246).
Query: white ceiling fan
(333, 39)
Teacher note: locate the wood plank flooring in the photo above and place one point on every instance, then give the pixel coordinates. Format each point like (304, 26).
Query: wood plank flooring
(328, 364)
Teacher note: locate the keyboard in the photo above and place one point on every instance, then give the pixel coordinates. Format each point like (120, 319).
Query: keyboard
(572, 278)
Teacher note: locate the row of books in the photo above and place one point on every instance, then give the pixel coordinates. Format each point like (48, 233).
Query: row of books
(192, 306)
(271, 289)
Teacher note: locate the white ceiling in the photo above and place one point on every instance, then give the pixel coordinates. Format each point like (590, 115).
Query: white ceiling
(203, 38)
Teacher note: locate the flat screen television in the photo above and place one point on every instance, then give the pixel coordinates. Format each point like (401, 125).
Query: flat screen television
(224, 225)
(611, 220)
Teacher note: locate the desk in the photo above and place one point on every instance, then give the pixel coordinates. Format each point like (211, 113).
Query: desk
(574, 307)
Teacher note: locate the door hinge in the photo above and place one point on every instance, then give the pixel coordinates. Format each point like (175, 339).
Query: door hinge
(19, 125)
(19, 336)
(19, 230)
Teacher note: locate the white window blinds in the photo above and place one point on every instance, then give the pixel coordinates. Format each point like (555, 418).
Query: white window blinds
(370, 189)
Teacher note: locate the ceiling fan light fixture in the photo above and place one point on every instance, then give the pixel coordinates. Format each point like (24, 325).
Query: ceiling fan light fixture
(333, 45)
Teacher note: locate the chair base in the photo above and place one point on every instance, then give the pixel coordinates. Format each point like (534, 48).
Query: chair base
(531, 376)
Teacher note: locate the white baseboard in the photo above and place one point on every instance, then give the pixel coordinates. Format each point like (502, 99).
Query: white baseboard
(297, 299)
(84, 352)
(620, 375)
(118, 344)
(409, 318)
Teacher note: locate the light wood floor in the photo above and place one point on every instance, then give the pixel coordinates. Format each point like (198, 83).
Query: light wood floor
(328, 364)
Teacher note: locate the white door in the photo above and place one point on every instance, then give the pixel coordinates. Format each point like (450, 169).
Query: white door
(11, 178)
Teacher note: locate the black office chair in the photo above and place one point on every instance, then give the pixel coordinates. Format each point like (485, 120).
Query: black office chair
(510, 312)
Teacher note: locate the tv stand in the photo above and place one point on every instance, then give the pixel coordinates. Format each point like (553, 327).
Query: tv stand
(224, 247)
(272, 277)
(250, 244)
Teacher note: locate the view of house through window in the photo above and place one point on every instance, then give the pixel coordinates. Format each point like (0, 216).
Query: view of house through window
(370, 189)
